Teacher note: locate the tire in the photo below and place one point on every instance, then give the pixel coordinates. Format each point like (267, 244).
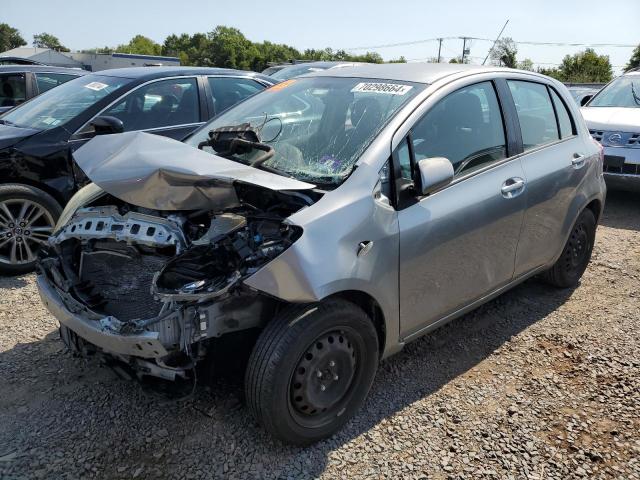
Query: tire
(283, 388)
(573, 261)
(23, 231)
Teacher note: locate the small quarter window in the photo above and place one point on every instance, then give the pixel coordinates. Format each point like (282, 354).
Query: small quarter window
(564, 118)
(535, 113)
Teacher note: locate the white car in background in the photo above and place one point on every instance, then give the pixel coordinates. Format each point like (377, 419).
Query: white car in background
(613, 118)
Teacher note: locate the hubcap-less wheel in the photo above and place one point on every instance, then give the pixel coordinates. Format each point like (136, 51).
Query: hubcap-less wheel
(24, 226)
(577, 249)
(322, 379)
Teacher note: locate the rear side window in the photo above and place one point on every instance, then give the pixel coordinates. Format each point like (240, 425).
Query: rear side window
(564, 117)
(465, 127)
(47, 81)
(12, 90)
(535, 112)
(227, 91)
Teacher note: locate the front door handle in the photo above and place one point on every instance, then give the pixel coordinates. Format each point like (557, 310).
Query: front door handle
(578, 160)
(513, 187)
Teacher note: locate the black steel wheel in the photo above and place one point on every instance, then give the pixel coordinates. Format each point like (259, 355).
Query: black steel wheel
(573, 261)
(311, 370)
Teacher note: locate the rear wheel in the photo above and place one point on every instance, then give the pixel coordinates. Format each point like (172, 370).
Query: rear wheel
(566, 272)
(311, 370)
(27, 218)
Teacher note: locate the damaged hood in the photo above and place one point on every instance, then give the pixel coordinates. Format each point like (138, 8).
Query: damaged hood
(160, 173)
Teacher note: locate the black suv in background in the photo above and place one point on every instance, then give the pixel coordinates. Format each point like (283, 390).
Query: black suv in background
(19, 83)
(37, 139)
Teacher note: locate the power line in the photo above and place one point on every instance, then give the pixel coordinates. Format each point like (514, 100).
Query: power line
(551, 44)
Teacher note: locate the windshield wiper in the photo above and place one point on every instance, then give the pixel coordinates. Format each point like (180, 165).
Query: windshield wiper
(6, 122)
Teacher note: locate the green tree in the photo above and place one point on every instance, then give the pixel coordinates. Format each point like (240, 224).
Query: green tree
(504, 52)
(551, 72)
(10, 38)
(585, 67)
(141, 45)
(401, 59)
(229, 48)
(526, 64)
(634, 61)
(46, 40)
(273, 53)
(458, 59)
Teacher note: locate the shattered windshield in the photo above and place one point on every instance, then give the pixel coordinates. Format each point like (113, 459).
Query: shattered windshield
(623, 92)
(318, 126)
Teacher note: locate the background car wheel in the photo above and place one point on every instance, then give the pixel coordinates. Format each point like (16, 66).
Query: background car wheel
(566, 272)
(311, 370)
(27, 218)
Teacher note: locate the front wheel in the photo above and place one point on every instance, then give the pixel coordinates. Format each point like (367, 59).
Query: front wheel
(566, 272)
(311, 370)
(27, 218)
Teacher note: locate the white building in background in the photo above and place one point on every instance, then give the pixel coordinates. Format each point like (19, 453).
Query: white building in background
(92, 62)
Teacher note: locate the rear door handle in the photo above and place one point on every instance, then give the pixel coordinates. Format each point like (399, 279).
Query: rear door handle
(578, 160)
(513, 187)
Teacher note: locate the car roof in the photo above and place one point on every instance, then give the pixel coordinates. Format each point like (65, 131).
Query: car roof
(418, 72)
(41, 68)
(150, 73)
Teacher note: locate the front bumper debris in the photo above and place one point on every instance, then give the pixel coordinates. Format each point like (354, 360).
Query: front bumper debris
(143, 345)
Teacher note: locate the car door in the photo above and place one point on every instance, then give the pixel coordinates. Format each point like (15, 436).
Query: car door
(225, 91)
(554, 163)
(458, 244)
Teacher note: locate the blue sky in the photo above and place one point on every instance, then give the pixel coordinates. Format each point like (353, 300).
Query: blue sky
(342, 24)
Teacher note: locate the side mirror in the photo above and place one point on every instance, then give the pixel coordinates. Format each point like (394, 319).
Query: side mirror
(433, 173)
(585, 99)
(105, 125)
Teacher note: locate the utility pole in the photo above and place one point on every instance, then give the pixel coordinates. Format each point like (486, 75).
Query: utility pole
(464, 47)
(439, 48)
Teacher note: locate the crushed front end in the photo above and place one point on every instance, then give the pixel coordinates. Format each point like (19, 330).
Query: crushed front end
(155, 289)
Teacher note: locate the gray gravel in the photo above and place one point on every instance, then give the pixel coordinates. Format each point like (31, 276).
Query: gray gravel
(539, 383)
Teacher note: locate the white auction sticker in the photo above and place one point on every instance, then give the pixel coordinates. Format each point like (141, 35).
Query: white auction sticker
(385, 88)
(97, 86)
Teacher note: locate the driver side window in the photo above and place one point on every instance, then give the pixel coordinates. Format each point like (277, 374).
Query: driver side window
(159, 104)
(465, 127)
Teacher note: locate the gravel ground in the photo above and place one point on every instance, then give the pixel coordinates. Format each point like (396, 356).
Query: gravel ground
(539, 383)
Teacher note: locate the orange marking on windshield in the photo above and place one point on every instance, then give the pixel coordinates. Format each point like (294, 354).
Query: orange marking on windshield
(280, 86)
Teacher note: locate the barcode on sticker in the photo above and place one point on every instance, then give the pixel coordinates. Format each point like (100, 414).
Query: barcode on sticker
(385, 88)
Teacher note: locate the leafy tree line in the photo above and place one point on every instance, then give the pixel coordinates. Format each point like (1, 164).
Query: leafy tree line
(228, 47)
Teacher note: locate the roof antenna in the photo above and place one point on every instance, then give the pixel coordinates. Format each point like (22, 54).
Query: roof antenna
(494, 42)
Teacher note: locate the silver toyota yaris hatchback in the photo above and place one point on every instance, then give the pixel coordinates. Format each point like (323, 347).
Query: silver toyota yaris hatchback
(326, 222)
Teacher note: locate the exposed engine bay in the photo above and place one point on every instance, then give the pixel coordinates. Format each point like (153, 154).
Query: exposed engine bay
(153, 288)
